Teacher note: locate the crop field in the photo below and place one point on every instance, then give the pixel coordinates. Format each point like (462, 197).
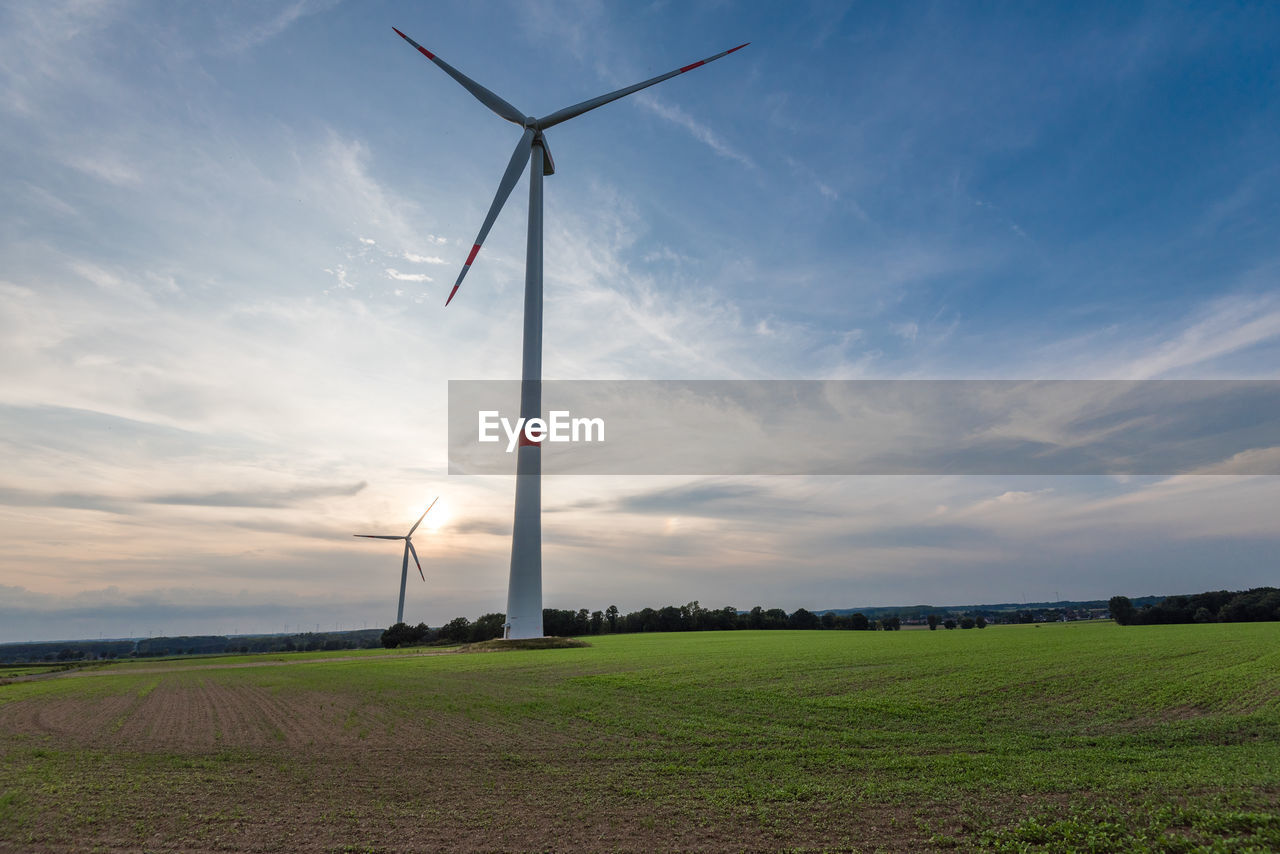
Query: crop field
(1060, 737)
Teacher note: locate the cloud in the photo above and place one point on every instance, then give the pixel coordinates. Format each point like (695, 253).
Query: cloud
(1226, 326)
(824, 189)
(408, 277)
(697, 129)
(106, 167)
(116, 612)
(257, 34)
(339, 272)
(257, 497)
(906, 331)
(263, 498)
(414, 258)
(67, 500)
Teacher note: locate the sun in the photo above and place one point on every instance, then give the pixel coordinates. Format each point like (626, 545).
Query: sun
(436, 519)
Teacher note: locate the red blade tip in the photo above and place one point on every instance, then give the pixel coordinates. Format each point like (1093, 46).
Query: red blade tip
(451, 293)
(422, 50)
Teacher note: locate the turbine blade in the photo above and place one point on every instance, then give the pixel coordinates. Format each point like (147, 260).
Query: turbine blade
(483, 95)
(519, 159)
(578, 109)
(414, 552)
(377, 537)
(423, 516)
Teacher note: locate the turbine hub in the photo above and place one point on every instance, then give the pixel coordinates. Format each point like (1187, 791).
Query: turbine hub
(531, 122)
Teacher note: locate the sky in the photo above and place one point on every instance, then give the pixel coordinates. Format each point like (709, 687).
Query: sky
(228, 231)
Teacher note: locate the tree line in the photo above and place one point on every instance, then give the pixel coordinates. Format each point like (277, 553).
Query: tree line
(1260, 604)
(692, 617)
(164, 646)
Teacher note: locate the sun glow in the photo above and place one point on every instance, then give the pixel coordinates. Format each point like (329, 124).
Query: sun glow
(437, 518)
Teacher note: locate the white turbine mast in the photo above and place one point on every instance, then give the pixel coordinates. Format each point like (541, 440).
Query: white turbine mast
(408, 550)
(524, 588)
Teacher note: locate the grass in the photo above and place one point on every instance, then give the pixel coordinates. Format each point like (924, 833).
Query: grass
(1052, 738)
(504, 645)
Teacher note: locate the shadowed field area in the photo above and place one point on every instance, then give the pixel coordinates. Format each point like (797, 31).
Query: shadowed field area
(1059, 737)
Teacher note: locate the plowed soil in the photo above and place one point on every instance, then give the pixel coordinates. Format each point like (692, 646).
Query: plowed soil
(201, 759)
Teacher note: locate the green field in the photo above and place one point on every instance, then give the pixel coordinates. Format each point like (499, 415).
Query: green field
(1060, 737)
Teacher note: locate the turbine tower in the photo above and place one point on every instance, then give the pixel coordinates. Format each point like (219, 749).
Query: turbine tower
(524, 588)
(408, 550)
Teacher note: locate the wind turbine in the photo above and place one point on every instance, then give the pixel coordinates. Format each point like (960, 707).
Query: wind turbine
(408, 549)
(524, 587)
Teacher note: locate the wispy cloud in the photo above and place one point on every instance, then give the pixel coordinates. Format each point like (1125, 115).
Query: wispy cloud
(408, 277)
(268, 28)
(1226, 326)
(106, 167)
(255, 498)
(260, 498)
(697, 129)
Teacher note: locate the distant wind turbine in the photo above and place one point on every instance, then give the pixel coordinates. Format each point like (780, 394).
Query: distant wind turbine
(408, 550)
(524, 587)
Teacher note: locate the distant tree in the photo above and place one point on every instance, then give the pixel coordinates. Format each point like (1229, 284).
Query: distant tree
(644, 620)
(933, 620)
(611, 614)
(693, 616)
(557, 622)
(1121, 610)
(859, 622)
(456, 630)
(1225, 606)
(597, 622)
(892, 624)
(775, 618)
(949, 623)
(1258, 604)
(396, 635)
(725, 618)
(670, 619)
(967, 622)
(651, 619)
(829, 620)
(755, 618)
(804, 619)
(980, 622)
(487, 627)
